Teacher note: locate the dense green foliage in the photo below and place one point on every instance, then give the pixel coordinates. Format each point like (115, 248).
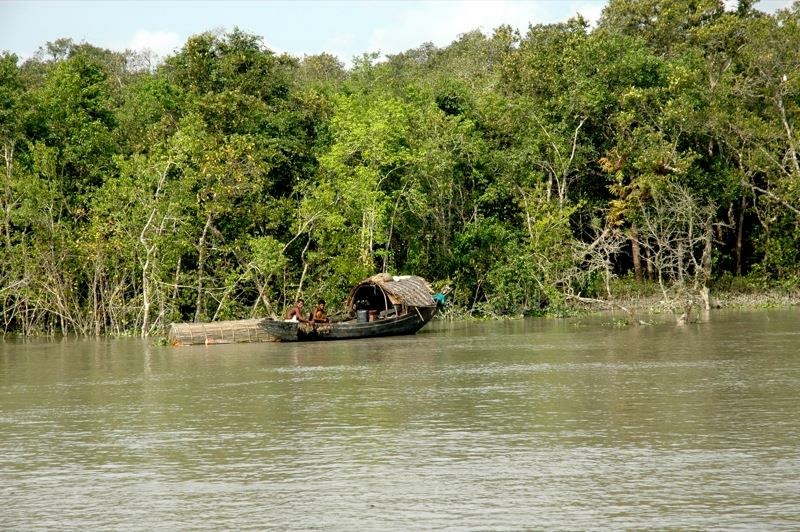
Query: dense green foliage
(524, 170)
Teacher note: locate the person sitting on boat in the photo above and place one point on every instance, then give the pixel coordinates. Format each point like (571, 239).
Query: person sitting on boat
(296, 312)
(319, 315)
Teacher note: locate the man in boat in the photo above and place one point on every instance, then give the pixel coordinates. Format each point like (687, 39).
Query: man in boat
(319, 315)
(296, 312)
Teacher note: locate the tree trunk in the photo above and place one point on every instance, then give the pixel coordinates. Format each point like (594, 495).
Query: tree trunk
(201, 260)
(739, 236)
(635, 253)
(789, 136)
(8, 153)
(305, 268)
(177, 280)
(706, 264)
(649, 264)
(391, 230)
(95, 299)
(146, 295)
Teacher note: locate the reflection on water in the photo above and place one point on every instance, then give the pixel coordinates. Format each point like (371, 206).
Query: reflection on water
(519, 424)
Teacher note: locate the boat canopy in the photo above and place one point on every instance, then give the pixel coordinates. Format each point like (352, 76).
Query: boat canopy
(382, 290)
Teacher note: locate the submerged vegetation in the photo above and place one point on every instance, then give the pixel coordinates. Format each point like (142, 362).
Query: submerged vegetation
(529, 172)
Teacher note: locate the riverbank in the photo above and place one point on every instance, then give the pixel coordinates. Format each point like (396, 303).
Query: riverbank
(637, 306)
(724, 299)
(646, 298)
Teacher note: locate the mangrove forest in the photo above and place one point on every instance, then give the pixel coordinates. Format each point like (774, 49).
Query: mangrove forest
(658, 147)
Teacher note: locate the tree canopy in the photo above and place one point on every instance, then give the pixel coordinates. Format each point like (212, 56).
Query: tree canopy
(524, 170)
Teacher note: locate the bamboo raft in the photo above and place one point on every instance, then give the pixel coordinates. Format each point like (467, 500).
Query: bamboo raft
(219, 332)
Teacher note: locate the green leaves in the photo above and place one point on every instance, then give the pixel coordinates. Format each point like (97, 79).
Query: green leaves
(231, 179)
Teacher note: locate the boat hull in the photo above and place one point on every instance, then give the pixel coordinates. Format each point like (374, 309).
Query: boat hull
(408, 323)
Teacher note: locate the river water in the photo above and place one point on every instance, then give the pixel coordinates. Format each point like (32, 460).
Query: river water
(528, 424)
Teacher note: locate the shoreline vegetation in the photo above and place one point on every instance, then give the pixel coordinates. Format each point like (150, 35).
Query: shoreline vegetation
(648, 162)
(630, 310)
(636, 310)
(640, 300)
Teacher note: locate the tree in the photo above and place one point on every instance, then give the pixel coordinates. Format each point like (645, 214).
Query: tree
(73, 113)
(664, 24)
(11, 94)
(351, 206)
(676, 229)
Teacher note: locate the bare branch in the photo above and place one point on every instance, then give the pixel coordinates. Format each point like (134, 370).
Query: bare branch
(773, 197)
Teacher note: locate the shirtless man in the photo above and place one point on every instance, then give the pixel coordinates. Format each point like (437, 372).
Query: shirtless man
(296, 312)
(319, 315)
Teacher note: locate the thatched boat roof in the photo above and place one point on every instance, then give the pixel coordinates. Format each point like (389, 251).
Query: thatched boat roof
(408, 290)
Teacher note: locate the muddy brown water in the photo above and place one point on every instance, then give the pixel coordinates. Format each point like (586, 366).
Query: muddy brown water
(528, 424)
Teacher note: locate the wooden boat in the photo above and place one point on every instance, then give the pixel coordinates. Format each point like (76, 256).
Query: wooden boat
(382, 305)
